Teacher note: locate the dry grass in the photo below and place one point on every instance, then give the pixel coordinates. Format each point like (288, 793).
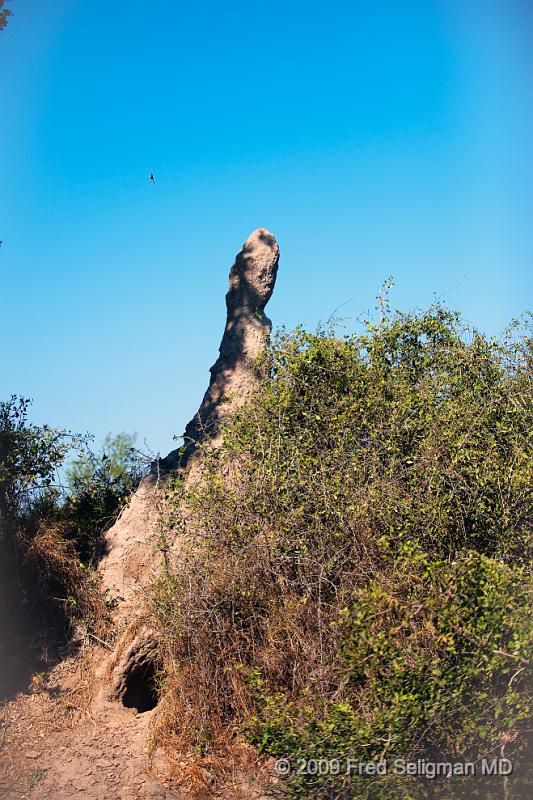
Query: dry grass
(58, 567)
(228, 607)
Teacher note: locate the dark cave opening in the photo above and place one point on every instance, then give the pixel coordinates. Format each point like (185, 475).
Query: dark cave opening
(140, 690)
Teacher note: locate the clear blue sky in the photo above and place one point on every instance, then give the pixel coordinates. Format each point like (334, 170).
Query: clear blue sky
(372, 138)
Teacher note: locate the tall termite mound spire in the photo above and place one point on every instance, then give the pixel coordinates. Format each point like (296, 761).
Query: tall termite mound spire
(131, 556)
(234, 374)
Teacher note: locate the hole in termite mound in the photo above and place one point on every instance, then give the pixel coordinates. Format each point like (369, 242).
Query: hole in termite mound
(136, 675)
(140, 686)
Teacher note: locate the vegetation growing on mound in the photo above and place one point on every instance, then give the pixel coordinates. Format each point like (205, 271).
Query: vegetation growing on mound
(353, 576)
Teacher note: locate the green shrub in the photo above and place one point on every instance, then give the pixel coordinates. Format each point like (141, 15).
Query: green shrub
(99, 485)
(436, 665)
(50, 539)
(35, 563)
(354, 554)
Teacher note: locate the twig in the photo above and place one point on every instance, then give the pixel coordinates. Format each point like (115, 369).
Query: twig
(516, 674)
(101, 641)
(511, 655)
(4, 733)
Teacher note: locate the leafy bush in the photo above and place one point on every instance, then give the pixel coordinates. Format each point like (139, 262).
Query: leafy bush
(34, 562)
(435, 660)
(352, 576)
(50, 537)
(99, 485)
(29, 458)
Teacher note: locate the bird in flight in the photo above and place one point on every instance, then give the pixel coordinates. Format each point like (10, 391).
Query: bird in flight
(152, 177)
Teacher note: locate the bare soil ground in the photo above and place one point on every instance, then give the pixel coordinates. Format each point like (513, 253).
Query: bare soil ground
(58, 742)
(55, 745)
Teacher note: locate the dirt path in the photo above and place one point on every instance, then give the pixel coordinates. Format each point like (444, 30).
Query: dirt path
(65, 740)
(55, 748)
